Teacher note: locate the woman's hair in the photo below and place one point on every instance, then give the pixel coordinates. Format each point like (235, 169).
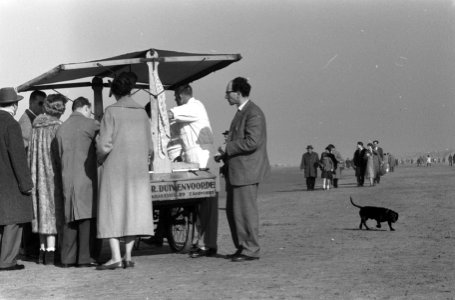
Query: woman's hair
(123, 83)
(54, 105)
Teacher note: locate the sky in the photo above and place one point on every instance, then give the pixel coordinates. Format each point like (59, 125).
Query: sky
(323, 71)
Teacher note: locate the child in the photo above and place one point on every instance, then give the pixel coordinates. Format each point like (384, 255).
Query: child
(327, 167)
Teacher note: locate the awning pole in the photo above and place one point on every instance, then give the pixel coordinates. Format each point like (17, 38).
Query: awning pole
(97, 86)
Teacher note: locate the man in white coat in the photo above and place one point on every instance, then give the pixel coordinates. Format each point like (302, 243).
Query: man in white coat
(197, 138)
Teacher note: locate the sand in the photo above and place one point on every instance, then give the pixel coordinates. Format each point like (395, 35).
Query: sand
(311, 249)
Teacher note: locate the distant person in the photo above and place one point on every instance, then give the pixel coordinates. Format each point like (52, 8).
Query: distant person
(76, 145)
(309, 165)
(197, 138)
(327, 164)
(30, 240)
(370, 170)
(247, 165)
(429, 160)
(450, 158)
(339, 165)
(15, 182)
(360, 163)
(125, 207)
(46, 175)
(380, 155)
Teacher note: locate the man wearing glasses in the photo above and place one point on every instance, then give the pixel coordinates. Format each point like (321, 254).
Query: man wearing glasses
(245, 155)
(30, 240)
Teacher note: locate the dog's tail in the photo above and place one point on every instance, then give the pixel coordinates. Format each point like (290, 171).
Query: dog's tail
(354, 203)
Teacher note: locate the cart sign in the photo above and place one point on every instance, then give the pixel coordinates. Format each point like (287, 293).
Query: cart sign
(185, 189)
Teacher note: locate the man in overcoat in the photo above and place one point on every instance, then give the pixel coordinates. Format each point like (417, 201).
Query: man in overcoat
(30, 240)
(76, 144)
(309, 165)
(360, 163)
(247, 164)
(15, 182)
(380, 153)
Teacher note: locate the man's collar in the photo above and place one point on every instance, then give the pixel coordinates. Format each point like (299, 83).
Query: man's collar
(241, 106)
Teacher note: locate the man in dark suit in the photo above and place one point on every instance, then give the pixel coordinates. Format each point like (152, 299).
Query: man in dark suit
(247, 164)
(15, 182)
(76, 145)
(30, 240)
(360, 163)
(381, 159)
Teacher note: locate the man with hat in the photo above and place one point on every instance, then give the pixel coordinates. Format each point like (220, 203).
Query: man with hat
(360, 164)
(309, 165)
(15, 182)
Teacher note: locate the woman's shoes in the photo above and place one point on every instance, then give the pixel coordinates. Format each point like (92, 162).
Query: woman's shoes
(128, 264)
(113, 266)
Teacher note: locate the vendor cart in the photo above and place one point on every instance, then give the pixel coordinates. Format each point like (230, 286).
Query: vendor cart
(177, 188)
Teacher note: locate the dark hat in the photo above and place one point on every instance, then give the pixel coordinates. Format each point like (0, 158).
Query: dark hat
(376, 141)
(9, 95)
(360, 143)
(309, 147)
(331, 146)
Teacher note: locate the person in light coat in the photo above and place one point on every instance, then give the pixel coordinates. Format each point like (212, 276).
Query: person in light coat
(123, 147)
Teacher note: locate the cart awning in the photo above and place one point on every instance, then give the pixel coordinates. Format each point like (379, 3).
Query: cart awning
(175, 68)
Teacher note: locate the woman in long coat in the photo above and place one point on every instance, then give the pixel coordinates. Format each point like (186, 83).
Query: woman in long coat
(339, 165)
(123, 147)
(370, 172)
(47, 194)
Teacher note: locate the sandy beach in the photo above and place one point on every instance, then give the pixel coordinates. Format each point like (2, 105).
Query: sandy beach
(311, 249)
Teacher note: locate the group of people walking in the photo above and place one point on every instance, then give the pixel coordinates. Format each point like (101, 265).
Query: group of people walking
(368, 163)
(330, 163)
(71, 184)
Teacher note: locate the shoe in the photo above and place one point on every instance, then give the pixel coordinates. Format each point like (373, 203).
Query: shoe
(237, 253)
(13, 268)
(128, 264)
(242, 257)
(87, 265)
(113, 266)
(203, 252)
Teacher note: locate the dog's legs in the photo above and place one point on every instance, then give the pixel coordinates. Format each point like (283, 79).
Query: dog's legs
(378, 225)
(390, 226)
(363, 221)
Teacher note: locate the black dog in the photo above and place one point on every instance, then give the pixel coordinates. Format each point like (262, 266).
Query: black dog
(380, 214)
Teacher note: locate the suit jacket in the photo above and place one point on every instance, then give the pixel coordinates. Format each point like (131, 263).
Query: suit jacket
(76, 145)
(15, 179)
(26, 122)
(246, 147)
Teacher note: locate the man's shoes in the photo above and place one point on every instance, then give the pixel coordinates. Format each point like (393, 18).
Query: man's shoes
(13, 268)
(237, 253)
(113, 266)
(242, 257)
(87, 265)
(203, 252)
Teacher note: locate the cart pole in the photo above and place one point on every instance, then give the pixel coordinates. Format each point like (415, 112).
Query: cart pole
(97, 86)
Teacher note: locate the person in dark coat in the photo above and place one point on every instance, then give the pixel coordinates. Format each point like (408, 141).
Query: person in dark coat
(360, 163)
(339, 165)
(15, 182)
(309, 164)
(76, 147)
(380, 155)
(247, 165)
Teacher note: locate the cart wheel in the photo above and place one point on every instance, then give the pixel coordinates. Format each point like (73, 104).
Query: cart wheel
(180, 228)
